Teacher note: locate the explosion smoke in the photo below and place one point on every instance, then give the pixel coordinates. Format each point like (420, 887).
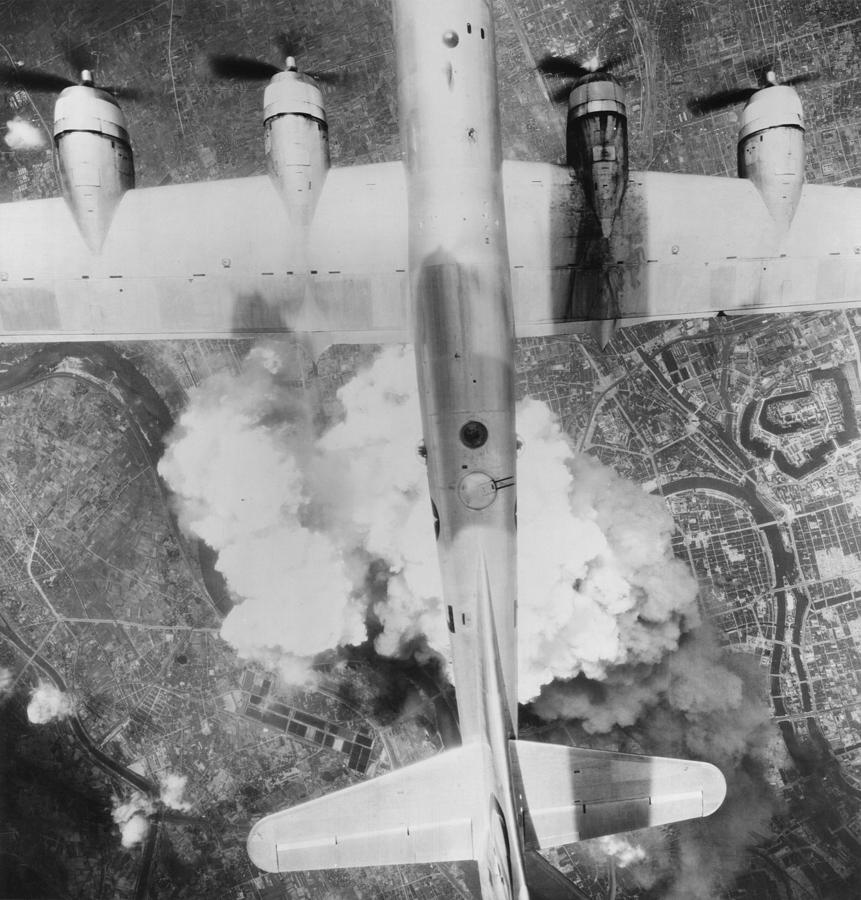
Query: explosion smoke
(606, 611)
(22, 135)
(133, 818)
(621, 848)
(598, 584)
(48, 703)
(238, 464)
(700, 703)
(172, 789)
(297, 519)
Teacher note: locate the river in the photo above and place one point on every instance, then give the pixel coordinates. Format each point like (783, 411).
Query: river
(785, 571)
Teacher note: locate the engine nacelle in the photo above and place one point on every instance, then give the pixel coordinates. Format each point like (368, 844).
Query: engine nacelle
(96, 163)
(597, 139)
(296, 138)
(771, 149)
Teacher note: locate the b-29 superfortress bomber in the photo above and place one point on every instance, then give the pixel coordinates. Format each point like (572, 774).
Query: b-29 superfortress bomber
(459, 253)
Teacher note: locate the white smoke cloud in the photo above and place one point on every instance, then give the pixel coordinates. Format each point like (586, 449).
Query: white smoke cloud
(48, 703)
(623, 849)
(22, 135)
(693, 681)
(172, 789)
(608, 618)
(296, 519)
(598, 584)
(239, 463)
(382, 492)
(699, 703)
(132, 818)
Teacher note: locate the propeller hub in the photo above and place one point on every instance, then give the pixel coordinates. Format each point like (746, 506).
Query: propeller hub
(81, 108)
(597, 94)
(290, 64)
(771, 107)
(87, 77)
(288, 94)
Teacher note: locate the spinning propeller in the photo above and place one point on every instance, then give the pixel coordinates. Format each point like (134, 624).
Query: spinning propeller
(572, 70)
(244, 68)
(765, 76)
(80, 60)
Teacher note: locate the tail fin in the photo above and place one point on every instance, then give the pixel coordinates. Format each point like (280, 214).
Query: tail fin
(573, 795)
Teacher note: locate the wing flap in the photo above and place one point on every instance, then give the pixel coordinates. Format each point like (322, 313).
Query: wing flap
(573, 795)
(419, 814)
(442, 841)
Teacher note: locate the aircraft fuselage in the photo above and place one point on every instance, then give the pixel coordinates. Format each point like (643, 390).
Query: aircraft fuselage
(495, 800)
(463, 323)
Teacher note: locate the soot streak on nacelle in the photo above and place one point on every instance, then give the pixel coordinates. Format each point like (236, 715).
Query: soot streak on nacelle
(597, 144)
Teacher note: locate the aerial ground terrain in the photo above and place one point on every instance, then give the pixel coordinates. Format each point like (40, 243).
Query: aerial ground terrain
(139, 741)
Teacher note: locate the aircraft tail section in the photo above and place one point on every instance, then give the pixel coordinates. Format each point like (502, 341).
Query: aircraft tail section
(572, 795)
(422, 813)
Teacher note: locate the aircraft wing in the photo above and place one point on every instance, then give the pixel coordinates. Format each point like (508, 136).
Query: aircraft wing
(221, 258)
(682, 246)
(213, 259)
(573, 795)
(419, 814)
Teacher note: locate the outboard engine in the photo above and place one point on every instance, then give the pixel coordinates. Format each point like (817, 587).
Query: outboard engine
(771, 139)
(597, 144)
(771, 149)
(91, 141)
(296, 137)
(96, 164)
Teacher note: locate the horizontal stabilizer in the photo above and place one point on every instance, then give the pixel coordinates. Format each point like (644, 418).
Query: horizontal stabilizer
(573, 795)
(419, 814)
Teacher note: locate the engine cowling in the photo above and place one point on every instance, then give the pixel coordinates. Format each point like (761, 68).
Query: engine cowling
(771, 150)
(597, 144)
(95, 155)
(296, 137)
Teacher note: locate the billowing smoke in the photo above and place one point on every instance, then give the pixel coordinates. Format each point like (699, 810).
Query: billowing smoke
(244, 467)
(700, 703)
(598, 584)
(733, 730)
(22, 135)
(172, 789)
(388, 512)
(694, 680)
(132, 818)
(297, 517)
(316, 530)
(622, 849)
(48, 703)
